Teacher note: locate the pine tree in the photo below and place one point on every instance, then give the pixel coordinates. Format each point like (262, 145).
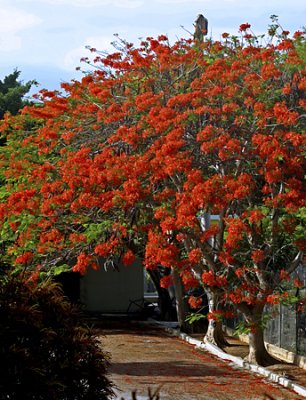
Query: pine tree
(12, 92)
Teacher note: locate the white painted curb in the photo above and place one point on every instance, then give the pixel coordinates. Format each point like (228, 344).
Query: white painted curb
(271, 376)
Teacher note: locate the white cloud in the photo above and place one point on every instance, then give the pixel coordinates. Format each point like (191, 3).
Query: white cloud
(128, 3)
(182, 1)
(9, 42)
(102, 43)
(12, 22)
(92, 3)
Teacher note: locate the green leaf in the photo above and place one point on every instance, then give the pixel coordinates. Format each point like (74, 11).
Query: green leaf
(194, 317)
(60, 269)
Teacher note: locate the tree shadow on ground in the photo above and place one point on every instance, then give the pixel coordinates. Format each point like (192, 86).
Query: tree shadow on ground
(132, 331)
(168, 368)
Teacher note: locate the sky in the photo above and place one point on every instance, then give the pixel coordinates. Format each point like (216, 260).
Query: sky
(45, 39)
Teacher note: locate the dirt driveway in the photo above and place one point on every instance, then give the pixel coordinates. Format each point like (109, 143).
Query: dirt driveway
(146, 356)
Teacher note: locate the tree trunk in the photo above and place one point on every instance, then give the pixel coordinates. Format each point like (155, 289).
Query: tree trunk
(258, 353)
(214, 332)
(182, 308)
(257, 350)
(164, 299)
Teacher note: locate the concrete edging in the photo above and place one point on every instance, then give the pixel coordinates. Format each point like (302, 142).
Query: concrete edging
(276, 351)
(271, 376)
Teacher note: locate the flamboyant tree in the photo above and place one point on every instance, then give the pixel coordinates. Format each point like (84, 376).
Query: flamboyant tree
(136, 157)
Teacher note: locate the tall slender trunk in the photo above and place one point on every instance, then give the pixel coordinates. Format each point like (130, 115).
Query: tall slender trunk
(164, 299)
(181, 303)
(214, 332)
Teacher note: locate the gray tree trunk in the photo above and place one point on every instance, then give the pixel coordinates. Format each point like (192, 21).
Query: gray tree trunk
(181, 303)
(258, 353)
(214, 332)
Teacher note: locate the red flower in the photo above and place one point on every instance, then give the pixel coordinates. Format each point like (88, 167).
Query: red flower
(166, 281)
(24, 258)
(244, 27)
(189, 280)
(195, 302)
(297, 34)
(255, 216)
(128, 258)
(239, 272)
(298, 283)
(210, 279)
(214, 315)
(195, 256)
(258, 256)
(284, 275)
(83, 262)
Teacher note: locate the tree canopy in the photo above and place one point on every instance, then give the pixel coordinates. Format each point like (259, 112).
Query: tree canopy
(135, 158)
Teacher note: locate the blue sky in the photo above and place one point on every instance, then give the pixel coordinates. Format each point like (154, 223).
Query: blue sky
(45, 39)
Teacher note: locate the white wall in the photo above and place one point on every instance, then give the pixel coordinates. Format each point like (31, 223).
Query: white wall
(112, 291)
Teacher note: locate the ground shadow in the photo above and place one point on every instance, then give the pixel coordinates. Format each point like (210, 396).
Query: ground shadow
(168, 368)
(131, 330)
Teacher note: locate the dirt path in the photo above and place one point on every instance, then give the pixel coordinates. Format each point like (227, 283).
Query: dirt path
(144, 357)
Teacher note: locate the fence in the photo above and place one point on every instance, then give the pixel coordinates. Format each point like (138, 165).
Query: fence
(287, 329)
(287, 326)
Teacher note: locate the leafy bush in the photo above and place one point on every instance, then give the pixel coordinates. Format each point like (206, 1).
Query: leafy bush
(46, 351)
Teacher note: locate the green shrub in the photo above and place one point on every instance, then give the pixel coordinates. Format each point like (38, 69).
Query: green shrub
(46, 352)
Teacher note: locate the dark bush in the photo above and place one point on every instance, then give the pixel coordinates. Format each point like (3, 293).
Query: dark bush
(46, 352)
